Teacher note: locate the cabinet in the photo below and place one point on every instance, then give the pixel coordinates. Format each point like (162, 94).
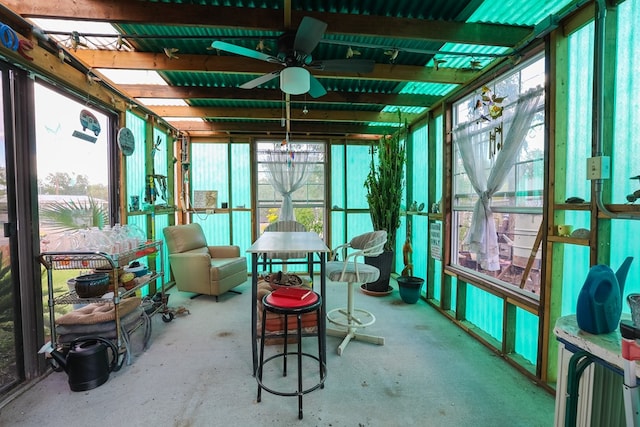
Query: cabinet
(111, 262)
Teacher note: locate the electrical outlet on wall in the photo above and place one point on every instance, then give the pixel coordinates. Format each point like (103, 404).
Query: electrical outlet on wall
(598, 167)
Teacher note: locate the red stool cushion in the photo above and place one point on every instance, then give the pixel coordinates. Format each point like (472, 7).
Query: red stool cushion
(292, 297)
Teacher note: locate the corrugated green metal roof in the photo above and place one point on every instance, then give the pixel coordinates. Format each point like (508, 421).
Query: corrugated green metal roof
(517, 12)
(403, 109)
(426, 9)
(419, 88)
(412, 53)
(191, 39)
(209, 79)
(297, 103)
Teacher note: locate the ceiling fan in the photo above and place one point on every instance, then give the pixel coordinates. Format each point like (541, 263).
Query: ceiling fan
(294, 54)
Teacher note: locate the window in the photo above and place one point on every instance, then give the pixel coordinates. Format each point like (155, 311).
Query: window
(73, 167)
(308, 199)
(493, 120)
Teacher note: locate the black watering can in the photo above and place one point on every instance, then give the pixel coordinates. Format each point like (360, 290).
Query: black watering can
(87, 362)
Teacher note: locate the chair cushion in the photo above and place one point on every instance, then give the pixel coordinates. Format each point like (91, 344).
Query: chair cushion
(367, 240)
(181, 238)
(222, 268)
(368, 273)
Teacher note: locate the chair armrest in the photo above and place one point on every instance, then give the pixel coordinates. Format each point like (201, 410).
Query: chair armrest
(228, 251)
(190, 260)
(354, 255)
(338, 249)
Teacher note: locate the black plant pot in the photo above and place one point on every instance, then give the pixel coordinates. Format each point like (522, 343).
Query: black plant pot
(384, 263)
(409, 287)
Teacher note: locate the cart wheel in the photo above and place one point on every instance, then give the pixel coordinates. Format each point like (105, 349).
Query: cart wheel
(55, 365)
(168, 317)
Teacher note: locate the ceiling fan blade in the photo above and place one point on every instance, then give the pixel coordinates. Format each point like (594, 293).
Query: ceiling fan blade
(316, 90)
(309, 34)
(239, 50)
(260, 80)
(344, 65)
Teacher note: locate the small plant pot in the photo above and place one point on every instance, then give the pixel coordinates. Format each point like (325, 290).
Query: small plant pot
(409, 287)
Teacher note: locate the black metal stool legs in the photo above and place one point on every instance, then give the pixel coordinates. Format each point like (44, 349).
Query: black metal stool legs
(286, 312)
(286, 341)
(261, 363)
(299, 318)
(321, 361)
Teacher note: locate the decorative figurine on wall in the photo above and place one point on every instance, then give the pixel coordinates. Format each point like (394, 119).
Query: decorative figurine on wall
(631, 198)
(156, 148)
(407, 254)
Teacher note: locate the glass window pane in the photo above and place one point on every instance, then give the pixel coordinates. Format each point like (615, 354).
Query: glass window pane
(517, 201)
(309, 199)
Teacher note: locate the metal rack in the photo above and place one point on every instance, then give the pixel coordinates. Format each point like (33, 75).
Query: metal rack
(92, 260)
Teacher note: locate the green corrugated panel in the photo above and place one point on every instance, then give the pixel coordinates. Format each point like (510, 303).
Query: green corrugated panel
(269, 4)
(475, 53)
(517, 12)
(420, 88)
(403, 109)
(205, 79)
(412, 52)
(136, 172)
(295, 105)
(432, 9)
(360, 85)
(230, 103)
(193, 39)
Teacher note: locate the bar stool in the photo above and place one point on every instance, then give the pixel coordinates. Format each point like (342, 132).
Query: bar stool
(292, 302)
(349, 319)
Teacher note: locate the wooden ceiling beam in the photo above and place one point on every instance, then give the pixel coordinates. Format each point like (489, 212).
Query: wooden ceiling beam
(159, 13)
(276, 114)
(259, 94)
(235, 64)
(274, 128)
(49, 66)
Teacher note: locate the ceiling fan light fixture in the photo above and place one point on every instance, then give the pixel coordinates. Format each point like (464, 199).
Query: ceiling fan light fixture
(295, 80)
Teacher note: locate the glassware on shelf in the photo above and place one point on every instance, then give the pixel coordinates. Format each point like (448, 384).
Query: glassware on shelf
(135, 234)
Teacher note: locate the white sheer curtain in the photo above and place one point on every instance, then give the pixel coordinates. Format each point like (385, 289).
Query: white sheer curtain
(471, 138)
(287, 171)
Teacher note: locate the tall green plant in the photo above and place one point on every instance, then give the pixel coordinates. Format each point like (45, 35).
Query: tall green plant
(385, 184)
(72, 215)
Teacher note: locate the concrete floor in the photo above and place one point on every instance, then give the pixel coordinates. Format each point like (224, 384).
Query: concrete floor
(197, 372)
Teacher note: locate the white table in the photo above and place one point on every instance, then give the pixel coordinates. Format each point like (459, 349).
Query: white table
(287, 241)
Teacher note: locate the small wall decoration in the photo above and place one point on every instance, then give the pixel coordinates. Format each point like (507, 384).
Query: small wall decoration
(90, 122)
(489, 107)
(205, 199)
(435, 230)
(126, 141)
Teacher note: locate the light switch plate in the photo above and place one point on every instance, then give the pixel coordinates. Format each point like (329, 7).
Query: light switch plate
(598, 167)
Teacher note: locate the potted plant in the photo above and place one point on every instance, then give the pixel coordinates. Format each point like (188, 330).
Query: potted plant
(385, 186)
(409, 286)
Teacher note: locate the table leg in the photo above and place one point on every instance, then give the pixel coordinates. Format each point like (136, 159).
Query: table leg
(323, 307)
(254, 314)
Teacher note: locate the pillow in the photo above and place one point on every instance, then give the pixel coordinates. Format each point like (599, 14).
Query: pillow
(98, 312)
